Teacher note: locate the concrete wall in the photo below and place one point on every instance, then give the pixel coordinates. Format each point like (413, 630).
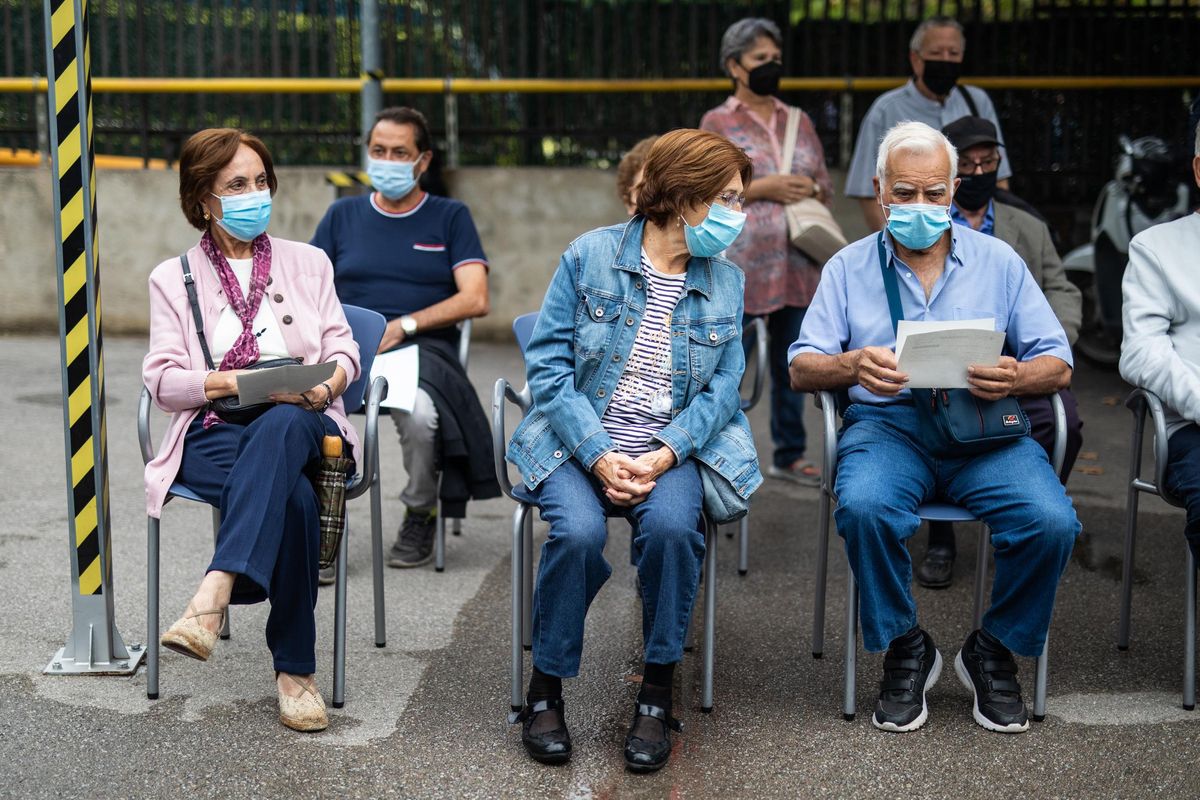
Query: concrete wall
(525, 218)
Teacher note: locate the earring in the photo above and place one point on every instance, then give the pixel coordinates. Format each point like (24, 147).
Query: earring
(207, 216)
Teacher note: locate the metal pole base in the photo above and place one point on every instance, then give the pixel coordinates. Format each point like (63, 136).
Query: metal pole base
(62, 664)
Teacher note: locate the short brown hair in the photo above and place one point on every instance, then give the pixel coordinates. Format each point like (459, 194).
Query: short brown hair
(686, 167)
(630, 164)
(403, 115)
(204, 155)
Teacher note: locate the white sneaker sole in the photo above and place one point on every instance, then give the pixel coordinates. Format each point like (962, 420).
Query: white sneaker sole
(934, 674)
(960, 669)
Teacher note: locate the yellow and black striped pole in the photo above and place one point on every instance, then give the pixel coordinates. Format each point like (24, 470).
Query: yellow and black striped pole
(95, 646)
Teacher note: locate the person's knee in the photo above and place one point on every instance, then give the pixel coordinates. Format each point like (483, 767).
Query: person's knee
(669, 533)
(1059, 526)
(580, 537)
(860, 510)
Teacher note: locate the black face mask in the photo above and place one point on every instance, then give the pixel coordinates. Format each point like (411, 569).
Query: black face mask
(975, 191)
(763, 80)
(940, 76)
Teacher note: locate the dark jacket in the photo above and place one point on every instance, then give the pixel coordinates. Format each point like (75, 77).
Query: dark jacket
(464, 445)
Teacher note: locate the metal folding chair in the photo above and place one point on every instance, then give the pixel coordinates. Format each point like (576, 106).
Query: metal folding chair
(1141, 401)
(757, 327)
(368, 329)
(439, 541)
(522, 546)
(931, 512)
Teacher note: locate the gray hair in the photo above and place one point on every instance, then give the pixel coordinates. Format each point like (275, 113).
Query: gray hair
(741, 36)
(917, 138)
(918, 38)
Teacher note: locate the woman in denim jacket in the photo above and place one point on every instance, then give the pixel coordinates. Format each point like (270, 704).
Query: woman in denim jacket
(634, 366)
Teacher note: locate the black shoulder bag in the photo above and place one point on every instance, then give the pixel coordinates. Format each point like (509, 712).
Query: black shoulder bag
(227, 408)
(955, 422)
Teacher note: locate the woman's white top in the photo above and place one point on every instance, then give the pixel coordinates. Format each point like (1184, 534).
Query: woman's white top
(229, 327)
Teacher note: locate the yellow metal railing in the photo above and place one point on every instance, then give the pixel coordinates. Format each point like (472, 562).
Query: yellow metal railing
(29, 85)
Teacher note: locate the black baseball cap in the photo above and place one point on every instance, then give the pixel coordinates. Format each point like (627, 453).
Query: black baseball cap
(969, 131)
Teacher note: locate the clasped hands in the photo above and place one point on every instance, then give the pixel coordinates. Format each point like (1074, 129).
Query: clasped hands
(628, 481)
(876, 370)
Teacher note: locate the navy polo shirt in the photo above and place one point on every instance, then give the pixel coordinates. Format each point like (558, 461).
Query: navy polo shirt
(397, 264)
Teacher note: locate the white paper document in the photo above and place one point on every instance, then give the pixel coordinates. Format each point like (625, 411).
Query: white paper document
(937, 354)
(258, 385)
(401, 368)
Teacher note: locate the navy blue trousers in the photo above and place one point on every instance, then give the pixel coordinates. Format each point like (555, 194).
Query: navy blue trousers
(787, 406)
(1183, 479)
(270, 534)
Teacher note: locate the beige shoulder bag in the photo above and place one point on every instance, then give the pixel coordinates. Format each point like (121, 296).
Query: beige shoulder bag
(811, 228)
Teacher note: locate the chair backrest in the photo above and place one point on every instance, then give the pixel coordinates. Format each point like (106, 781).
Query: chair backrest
(523, 329)
(368, 327)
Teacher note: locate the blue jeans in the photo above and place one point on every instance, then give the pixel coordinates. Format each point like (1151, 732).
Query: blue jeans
(668, 548)
(1183, 479)
(884, 474)
(270, 536)
(787, 407)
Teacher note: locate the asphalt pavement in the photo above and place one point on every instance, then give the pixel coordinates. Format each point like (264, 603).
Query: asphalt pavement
(426, 716)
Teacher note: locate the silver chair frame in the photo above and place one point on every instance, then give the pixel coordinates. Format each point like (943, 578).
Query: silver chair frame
(762, 364)
(1140, 402)
(366, 478)
(439, 540)
(522, 563)
(828, 500)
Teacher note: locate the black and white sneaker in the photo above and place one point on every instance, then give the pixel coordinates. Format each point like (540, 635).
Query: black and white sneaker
(986, 667)
(911, 667)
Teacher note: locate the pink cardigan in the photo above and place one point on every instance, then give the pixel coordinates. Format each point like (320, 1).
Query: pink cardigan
(314, 327)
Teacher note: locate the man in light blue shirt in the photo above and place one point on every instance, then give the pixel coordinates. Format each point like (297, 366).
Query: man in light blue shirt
(933, 96)
(943, 272)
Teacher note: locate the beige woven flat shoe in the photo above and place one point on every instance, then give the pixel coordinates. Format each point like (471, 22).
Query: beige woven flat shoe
(188, 637)
(304, 713)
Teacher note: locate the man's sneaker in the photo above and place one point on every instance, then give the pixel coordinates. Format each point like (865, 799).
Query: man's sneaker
(911, 667)
(986, 667)
(414, 544)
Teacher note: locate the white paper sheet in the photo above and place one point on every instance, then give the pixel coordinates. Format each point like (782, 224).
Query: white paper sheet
(257, 386)
(937, 354)
(401, 368)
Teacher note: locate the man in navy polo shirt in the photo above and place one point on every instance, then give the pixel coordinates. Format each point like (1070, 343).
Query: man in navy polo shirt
(416, 259)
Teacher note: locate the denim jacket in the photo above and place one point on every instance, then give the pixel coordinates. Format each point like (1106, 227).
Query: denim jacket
(584, 335)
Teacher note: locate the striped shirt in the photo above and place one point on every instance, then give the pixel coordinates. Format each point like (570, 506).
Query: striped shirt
(641, 402)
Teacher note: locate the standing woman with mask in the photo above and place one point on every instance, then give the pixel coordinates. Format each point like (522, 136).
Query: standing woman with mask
(258, 298)
(780, 280)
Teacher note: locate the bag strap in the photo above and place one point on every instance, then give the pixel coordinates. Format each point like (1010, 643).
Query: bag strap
(189, 283)
(891, 285)
(789, 141)
(966, 95)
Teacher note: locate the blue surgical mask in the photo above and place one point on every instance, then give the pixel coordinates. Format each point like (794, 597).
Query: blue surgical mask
(917, 225)
(245, 216)
(392, 179)
(715, 232)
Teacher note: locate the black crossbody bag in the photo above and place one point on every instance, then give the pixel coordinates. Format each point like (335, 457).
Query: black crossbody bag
(227, 408)
(955, 422)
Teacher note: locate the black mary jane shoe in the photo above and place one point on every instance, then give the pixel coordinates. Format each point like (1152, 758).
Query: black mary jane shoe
(650, 755)
(549, 747)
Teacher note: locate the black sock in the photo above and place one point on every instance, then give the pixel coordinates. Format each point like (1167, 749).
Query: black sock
(543, 687)
(656, 685)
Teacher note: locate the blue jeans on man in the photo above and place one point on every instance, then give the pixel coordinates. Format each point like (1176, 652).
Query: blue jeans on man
(884, 473)
(668, 548)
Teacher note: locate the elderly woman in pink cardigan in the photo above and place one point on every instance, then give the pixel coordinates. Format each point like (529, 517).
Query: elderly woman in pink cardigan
(260, 298)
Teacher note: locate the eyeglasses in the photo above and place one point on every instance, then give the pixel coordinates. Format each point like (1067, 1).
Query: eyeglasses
(968, 166)
(240, 186)
(731, 199)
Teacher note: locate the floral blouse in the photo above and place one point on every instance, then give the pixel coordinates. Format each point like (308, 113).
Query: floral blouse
(777, 274)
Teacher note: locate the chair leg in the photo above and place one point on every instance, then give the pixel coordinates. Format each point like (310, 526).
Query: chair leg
(1131, 510)
(1039, 686)
(516, 699)
(818, 636)
(456, 527)
(152, 622)
(848, 692)
(1189, 637)
(744, 545)
(339, 626)
(439, 542)
(710, 615)
(527, 587)
(981, 571)
(216, 518)
(377, 561)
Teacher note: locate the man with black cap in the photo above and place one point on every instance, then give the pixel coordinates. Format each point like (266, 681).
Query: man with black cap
(981, 205)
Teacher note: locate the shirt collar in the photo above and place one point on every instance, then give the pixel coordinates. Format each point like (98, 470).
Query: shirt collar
(914, 94)
(989, 217)
(734, 104)
(954, 256)
(629, 258)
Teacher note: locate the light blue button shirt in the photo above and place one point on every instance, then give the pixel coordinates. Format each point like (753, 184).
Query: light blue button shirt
(989, 218)
(906, 103)
(983, 277)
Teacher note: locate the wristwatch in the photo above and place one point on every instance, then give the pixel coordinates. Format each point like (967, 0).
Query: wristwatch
(408, 324)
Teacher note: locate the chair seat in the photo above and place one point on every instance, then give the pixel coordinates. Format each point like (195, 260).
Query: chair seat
(944, 512)
(179, 490)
